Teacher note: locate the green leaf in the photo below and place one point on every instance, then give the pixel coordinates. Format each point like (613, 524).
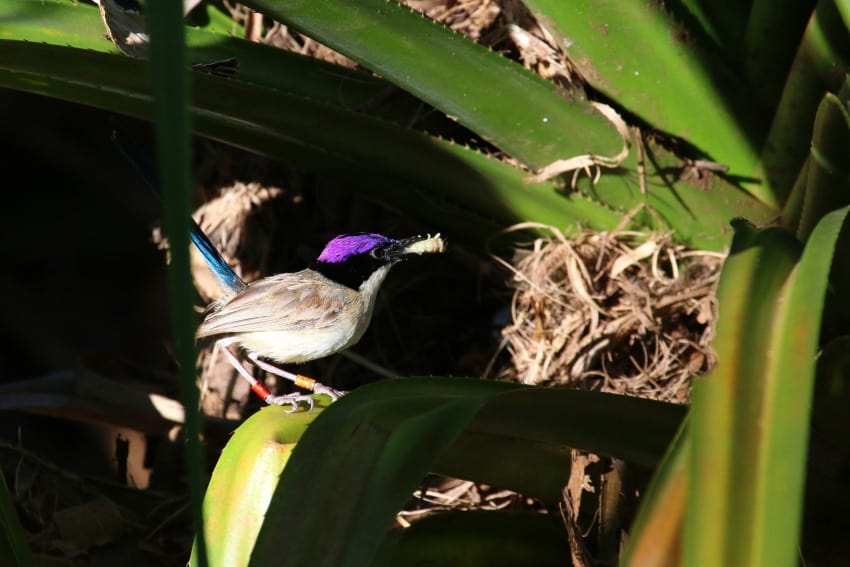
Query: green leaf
(506, 104)
(655, 537)
(245, 478)
(773, 33)
(50, 21)
(828, 174)
(79, 25)
(404, 168)
(750, 416)
(639, 56)
(170, 89)
(286, 114)
(358, 464)
(819, 66)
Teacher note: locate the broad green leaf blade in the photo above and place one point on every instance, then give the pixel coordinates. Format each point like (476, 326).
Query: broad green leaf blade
(828, 173)
(698, 210)
(528, 425)
(448, 186)
(245, 478)
(746, 296)
(750, 416)
(697, 205)
(51, 21)
(170, 89)
(782, 461)
(404, 168)
(774, 29)
(350, 473)
(79, 25)
(655, 538)
(478, 538)
(506, 104)
(356, 466)
(635, 54)
(819, 66)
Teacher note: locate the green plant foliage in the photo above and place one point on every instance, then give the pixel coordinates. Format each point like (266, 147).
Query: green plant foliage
(637, 54)
(353, 468)
(244, 480)
(170, 89)
(655, 539)
(750, 416)
(755, 86)
(820, 65)
(828, 174)
(459, 77)
(307, 112)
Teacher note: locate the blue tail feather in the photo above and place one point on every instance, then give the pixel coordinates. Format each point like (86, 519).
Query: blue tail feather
(228, 278)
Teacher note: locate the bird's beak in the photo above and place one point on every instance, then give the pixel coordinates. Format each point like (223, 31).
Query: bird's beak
(422, 245)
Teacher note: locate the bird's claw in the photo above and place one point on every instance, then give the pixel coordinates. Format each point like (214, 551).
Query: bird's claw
(296, 398)
(333, 394)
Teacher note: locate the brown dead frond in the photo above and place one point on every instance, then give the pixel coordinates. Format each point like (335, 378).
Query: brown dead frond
(623, 312)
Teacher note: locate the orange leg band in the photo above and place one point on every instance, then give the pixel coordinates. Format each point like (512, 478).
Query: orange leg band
(304, 382)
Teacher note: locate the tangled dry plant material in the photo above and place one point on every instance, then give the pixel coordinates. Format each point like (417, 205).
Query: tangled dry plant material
(624, 312)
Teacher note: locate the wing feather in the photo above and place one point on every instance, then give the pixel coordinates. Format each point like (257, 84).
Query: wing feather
(284, 302)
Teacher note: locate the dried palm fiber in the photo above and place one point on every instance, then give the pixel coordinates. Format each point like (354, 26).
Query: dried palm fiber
(624, 312)
(240, 225)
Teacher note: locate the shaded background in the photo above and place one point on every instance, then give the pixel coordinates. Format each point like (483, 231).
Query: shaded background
(85, 284)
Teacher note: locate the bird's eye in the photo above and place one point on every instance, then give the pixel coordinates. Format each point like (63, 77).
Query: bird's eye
(382, 253)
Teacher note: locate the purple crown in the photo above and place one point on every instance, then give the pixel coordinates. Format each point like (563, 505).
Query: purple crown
(344, 246)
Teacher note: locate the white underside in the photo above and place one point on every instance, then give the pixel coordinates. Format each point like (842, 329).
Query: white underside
(306, 344)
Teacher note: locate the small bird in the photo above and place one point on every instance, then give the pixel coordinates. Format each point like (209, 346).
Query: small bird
(301, 316)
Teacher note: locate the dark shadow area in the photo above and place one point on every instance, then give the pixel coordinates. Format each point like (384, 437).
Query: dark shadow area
(84, 280)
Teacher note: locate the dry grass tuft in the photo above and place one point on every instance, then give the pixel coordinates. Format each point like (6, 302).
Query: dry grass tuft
(240, 225)
(622, 312)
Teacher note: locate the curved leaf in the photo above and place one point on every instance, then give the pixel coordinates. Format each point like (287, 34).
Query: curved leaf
(356, 466)
(448, 186)
(170, 89)
(406, 169)
(750, 416)
(245, 478)
(636, 53)
(819, 66)
(506, 104)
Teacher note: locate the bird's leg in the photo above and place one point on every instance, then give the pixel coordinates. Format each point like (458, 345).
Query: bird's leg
(258, 387)
(298, 379)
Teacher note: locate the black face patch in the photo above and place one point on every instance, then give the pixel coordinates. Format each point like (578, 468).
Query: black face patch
(357, 268)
